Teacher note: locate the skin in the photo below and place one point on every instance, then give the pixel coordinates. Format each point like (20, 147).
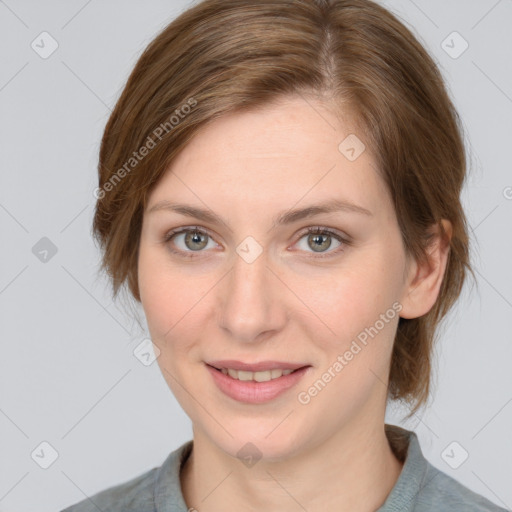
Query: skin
(287, 305)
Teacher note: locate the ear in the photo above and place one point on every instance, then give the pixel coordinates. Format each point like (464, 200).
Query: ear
(423, 281)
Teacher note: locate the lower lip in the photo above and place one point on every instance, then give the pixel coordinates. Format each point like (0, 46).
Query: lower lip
(253, 392)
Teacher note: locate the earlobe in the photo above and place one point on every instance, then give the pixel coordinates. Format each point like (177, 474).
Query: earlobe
(424, 281)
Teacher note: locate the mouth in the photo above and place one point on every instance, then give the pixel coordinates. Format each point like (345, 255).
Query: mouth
(256, 387)
(261, 371)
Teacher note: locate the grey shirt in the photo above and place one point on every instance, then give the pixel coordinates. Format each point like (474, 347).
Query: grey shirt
(420, 487)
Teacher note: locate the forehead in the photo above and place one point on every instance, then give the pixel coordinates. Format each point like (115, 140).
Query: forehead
(278, 154)
(289, 128)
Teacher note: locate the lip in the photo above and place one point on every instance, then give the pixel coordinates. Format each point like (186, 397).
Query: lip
(255, 367)
(253, 392)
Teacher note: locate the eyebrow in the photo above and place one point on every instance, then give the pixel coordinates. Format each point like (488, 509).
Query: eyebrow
(283, 218)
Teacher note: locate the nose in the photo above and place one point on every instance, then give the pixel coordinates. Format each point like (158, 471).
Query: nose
(252, 300)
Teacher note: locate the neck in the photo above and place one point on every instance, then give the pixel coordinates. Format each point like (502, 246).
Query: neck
(355, 471)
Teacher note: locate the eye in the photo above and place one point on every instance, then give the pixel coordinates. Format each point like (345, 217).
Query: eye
(319, 239)
(194, 240)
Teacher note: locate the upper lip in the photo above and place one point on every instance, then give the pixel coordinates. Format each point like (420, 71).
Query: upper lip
(255, 367)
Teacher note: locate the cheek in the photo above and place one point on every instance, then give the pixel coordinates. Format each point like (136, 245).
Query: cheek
(355, 363)
(162, 293)
(174, 306)
(349, 298)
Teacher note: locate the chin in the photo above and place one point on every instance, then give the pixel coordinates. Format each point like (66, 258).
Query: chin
(252, 440)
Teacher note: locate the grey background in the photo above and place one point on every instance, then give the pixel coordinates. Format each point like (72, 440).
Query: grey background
(68, 375)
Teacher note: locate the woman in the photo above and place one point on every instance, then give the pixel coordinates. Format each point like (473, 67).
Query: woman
(280, 189)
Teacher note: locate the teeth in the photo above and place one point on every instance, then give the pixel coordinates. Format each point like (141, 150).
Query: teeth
(257, 376)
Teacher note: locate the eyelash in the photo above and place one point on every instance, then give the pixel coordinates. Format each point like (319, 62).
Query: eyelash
(317, 230)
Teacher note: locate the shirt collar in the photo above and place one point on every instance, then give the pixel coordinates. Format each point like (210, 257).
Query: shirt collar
(168, 495)
(413, 476)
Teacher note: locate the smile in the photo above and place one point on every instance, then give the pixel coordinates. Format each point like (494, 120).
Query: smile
(255, 387)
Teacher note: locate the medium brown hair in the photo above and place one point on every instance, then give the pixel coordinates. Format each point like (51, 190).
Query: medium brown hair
(226, 56)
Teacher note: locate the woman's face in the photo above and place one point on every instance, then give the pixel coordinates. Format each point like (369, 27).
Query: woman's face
(252, 288)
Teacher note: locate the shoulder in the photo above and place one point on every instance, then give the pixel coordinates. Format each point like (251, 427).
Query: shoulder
(441, 492)
(160, 486)
(421, 487)
(134, 494)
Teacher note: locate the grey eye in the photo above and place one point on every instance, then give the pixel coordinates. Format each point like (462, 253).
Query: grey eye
(193, 240)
